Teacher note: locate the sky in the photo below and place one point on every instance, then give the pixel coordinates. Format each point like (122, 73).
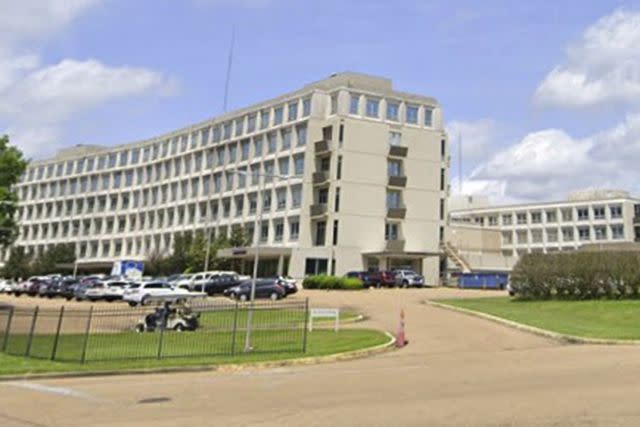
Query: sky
(543, 97)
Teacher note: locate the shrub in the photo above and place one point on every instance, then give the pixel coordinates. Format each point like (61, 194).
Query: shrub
(331, 282)
(577, 275)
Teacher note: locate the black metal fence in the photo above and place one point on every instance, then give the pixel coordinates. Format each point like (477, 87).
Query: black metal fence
(220, 328)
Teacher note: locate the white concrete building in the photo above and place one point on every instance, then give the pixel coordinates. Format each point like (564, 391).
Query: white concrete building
(367, 171)
(588, 217)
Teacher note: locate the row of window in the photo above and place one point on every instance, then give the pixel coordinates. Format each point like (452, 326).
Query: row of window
(276, 230)
(122, 202)
(167, 170)
(569, 214)
(568, 234)
(273, 141)
(387, 109)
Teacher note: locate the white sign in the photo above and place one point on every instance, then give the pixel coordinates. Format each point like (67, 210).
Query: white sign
(324, 313)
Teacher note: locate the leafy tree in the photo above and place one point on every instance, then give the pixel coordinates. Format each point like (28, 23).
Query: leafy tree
(12, 166)
(239, 237)
(18, 265)
(50, 260)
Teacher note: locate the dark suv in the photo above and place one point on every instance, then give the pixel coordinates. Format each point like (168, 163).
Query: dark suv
(218, 283)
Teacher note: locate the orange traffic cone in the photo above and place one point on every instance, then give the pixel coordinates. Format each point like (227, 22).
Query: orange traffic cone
(401, 339)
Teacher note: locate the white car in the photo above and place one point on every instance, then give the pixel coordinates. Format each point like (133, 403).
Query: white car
(108, 290)
(143, 293)
(5, 285)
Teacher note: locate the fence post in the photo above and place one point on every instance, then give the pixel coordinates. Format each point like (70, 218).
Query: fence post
(163, 326)
(55, 342)
(306, 325)
(235, 331)
(33, 328)
(7, 331)
(86, 335)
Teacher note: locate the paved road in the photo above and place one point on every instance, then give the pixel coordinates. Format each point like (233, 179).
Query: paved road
(457, 370)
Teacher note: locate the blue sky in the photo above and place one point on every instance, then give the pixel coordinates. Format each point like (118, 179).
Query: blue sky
(116, 71)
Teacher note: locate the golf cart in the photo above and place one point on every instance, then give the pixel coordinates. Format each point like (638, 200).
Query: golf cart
(170, 314)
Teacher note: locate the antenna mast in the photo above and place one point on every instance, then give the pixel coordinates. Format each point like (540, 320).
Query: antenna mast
(460, 163)
(229, 62)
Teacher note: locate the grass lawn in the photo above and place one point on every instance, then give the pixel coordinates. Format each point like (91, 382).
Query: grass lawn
(320, 343)
(591, 319)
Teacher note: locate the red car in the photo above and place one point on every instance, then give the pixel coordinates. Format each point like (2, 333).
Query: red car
(381, 278)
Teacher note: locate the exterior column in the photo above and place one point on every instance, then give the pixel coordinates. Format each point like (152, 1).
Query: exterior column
(280, 264)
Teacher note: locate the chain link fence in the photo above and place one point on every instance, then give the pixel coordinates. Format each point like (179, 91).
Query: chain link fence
(218, 328)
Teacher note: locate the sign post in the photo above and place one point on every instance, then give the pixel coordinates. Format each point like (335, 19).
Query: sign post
(323, 313)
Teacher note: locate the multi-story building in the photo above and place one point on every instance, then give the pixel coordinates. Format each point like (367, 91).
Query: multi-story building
(347, 173)
(586, 218)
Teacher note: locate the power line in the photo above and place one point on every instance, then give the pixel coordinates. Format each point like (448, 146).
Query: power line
(229, 62)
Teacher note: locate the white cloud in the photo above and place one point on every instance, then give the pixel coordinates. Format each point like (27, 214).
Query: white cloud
(602, 67)
(548, 164)
(477, 138)
(37, 100)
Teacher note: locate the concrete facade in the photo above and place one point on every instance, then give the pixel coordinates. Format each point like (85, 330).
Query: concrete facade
(586, 218)
(362, 184)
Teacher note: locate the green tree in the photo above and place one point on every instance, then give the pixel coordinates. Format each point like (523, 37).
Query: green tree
(239, 237)
(50, 261)
(12, 166)
(18, 265)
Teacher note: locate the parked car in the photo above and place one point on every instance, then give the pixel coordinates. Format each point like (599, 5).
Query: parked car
(105, 290)
(382, 278)
(218, 283)
(140, 293)
(67, 288)
(265, 288)
(6, 285)
(287, 283)
(33, 288)
(408, 278)
(364, 276)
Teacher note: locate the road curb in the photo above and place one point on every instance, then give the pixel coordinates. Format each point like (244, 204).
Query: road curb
(564, 338)
(223, 368)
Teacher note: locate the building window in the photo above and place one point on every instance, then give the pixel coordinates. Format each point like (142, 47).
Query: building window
(278, 115)
(335, 232)
(412, 114)
(442, 179)
(244, 150)
(493, 220)
(296, 196)
(393, 200)
(294, 230)
(567, 215)
(233, 148)
(281, 198)
(598, 213)
(279, 231)
(392, 110)
(257, 146)
(395, 138)
(583, 214)
(321, 229)
(272, 142)
(615, 211)
(391, 231)
(264, 119)
(552, 235)
(286, 139)
(442, 209)
(239, 126)
(293, 111)
(334, 104)
(600, 232)
(428, 117)
(283, 166)
(216, 134)
(339, 168)
(315, 266)
(373, 105)
(507, 237)
(536, 217)
(521, 218)
(394, 168)
(337, 200)
(264, 231)
(266, 201)
(536, 236)
(583, 233)
(551, 216)
(298, 162)
(354, 104)
(323, 196)
(251, 123)
(521, 237)
(301, 135)
(617, 232)
(306, 107)
(507, 219)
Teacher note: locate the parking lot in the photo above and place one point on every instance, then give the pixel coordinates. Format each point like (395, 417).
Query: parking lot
(457, 370)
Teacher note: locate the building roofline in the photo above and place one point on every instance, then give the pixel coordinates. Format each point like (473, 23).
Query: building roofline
(529, 206)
